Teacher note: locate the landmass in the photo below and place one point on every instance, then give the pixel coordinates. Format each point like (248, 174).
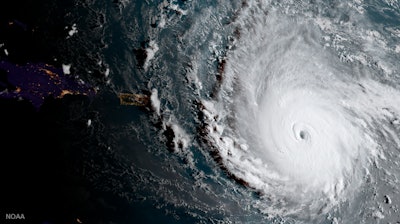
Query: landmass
(35, 82)
(134, 99)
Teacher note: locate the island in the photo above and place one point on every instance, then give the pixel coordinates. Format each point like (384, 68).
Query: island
(35, 82)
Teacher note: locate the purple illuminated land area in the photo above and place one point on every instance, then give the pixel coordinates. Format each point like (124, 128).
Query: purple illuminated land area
(36, 82)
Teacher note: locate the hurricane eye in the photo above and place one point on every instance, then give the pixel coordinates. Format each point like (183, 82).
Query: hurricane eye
(301, 132)
(303, 135)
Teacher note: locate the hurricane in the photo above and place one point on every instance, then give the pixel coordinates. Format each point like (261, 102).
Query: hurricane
(296, 121)
(303, 131)
(294, 105)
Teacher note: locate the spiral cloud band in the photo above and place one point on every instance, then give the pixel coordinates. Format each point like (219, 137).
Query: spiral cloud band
(294, 121)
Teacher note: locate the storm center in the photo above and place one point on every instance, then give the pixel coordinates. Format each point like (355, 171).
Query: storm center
(303, 135)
